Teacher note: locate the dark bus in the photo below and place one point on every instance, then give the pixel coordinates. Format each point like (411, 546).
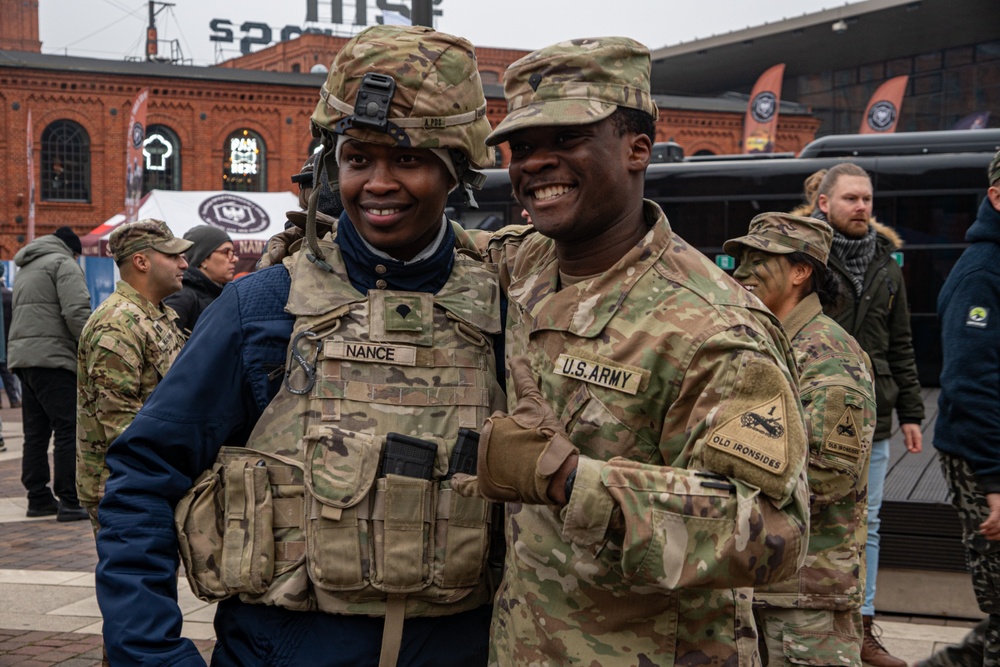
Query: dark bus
(928, 186)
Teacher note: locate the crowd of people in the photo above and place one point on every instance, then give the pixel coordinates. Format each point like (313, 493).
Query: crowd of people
(575, 441)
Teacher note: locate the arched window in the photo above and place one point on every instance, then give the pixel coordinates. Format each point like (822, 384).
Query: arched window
(161, 159)
(244, 165)
(488, 77)
(65, 168)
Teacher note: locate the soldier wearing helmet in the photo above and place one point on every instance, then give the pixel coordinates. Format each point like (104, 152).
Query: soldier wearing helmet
(299, 454)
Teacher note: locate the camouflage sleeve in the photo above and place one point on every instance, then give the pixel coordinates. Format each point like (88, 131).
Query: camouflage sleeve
(733, 509)
(840, 417)
(114, 366)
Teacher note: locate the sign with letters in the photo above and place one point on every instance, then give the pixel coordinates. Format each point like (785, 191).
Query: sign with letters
(251, 34)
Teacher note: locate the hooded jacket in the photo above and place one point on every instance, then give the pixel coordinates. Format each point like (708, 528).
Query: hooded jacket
(968, 423)
(880, 321)
(50, 306)
(194, 297)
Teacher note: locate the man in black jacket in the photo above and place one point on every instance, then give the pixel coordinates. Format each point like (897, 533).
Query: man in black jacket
(211, 265)
(875, 312)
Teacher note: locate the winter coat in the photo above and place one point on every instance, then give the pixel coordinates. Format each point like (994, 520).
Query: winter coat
(880, 321)
(193, 298)
(968, 423)
(51, 304)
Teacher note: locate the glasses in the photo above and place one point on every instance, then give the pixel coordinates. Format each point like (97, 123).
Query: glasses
(228, 252)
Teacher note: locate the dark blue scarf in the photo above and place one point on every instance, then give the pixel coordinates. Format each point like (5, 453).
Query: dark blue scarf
(428, 275)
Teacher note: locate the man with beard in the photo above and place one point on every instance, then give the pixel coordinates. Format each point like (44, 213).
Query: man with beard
(874, 311)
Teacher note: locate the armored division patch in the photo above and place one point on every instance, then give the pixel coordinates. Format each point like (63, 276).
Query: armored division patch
(845, 438)
(601, 372)
(757, 436)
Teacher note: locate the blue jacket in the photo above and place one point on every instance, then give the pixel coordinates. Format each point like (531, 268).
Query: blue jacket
(213, 395)
(968, 423)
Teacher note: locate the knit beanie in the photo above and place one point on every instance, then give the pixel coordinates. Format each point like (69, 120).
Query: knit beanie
(206, 240)
(69, 237)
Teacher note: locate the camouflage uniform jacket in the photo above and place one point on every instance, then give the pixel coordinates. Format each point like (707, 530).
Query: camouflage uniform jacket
(652, 560)
(835, 386)
(125, 350)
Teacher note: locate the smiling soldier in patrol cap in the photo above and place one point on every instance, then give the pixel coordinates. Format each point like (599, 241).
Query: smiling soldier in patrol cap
(654, 448)
(304, 442)
(815, 616)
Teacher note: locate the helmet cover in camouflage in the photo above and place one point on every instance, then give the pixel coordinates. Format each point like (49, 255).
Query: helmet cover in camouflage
(438, 100)
(143, 234)
(783, 234)
(993, 171)
(576, 82)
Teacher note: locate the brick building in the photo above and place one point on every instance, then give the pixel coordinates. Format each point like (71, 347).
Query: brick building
(203, 122)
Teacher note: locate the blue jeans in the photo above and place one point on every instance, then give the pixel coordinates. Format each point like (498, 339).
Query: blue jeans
(877, 469)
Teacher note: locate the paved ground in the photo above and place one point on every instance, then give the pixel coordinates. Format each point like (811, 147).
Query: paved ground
(49, 614)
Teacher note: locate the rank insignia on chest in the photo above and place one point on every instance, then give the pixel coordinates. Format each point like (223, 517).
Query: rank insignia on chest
(757, 436)
(403, 317)
(845, 438)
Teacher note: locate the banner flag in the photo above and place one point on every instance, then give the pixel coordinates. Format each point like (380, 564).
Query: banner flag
(133, 156)
(974, 121)
(31, 182)
(882, 112)
(760, 128)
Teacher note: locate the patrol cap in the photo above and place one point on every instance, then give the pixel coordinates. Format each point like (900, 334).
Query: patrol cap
(130, 238)
(576, 82)
(783, 234)
(993, 171)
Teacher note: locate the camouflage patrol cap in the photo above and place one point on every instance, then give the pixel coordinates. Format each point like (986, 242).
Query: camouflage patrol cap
(133, 237)
(438, 100)
(783, 234)
(577, 82)
(993, 171)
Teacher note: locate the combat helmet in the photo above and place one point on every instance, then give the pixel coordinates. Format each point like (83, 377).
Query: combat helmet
(407, 86)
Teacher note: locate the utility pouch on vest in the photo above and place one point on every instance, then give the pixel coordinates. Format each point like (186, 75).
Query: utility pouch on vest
(340, 470)
(225, 527)
(404, 542)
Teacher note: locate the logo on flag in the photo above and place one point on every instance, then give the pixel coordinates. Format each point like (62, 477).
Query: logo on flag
(882, 116)
(763, 106)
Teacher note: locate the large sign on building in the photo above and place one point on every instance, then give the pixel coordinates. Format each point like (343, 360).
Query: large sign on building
(331, 13)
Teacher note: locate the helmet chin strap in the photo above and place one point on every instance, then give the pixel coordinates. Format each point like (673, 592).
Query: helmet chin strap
(316, 255)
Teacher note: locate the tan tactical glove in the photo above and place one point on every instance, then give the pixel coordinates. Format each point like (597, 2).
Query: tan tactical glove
(279, 247)
(519, 453)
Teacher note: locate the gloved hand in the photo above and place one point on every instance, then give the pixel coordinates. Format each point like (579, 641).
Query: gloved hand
(520, 452)
(279, 247)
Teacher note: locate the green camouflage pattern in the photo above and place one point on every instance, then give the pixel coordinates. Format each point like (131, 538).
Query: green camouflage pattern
(332, 534)
(576, 82)
(993, 171)
(132, 237)
(125, 350)
(838, 396)
(436, 78)
(653, 559)
(816, 637)
(783, 234)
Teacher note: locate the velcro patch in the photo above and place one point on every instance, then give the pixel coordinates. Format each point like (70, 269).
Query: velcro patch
(400, 355)
(845, 438)
(604, 373)
(757, 436)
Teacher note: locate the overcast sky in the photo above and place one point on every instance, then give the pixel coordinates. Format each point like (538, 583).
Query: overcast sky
(116, 29)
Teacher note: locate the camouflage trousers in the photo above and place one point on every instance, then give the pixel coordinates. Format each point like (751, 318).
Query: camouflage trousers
(982, 645)
(818, 637)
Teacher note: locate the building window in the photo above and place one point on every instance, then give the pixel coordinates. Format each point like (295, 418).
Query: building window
(489, 77)
(161, 159)
(65, 168)
(244, 165)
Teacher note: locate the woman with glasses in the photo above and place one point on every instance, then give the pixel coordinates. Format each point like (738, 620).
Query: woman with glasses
(211, 264)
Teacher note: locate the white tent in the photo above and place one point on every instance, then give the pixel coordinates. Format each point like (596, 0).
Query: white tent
(250, 218)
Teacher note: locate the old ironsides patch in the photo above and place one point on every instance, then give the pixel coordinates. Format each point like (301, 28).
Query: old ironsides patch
(845, 438)
(757, 436)
(603, 373)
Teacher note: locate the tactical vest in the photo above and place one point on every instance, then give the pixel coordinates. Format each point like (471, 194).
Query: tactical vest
(301, 517)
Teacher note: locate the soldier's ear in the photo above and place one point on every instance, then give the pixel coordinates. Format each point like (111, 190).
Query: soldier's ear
(140, 262)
